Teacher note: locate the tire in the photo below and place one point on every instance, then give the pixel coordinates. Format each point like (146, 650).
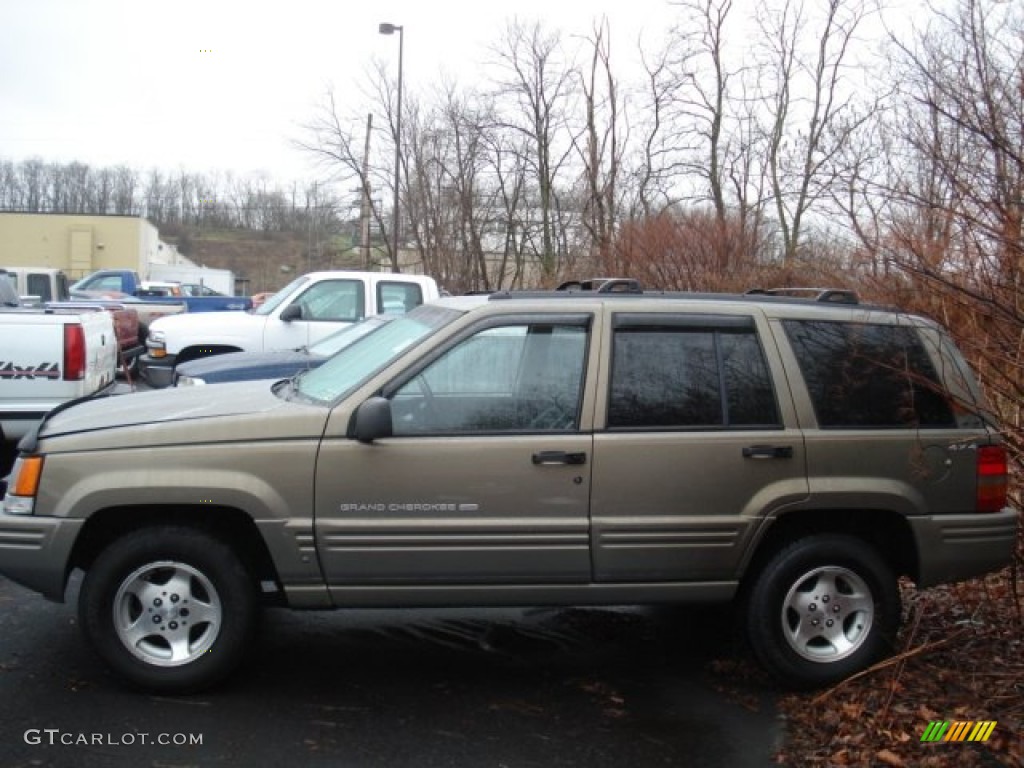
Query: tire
(821, 609)
(170, 609)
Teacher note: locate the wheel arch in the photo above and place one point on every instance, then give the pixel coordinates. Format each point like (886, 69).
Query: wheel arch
(232, 526)
(888, 532)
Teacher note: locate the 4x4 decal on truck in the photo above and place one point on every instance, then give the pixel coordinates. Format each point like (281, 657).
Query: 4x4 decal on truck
(41, 371)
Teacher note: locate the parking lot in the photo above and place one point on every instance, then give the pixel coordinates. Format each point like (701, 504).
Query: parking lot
(572, 687)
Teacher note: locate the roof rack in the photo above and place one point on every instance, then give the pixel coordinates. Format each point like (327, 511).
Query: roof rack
(825, 295)
(603, 285)
(624, 288)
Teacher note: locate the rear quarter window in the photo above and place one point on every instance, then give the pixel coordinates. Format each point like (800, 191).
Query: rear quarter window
(868, 376)
(395, 298)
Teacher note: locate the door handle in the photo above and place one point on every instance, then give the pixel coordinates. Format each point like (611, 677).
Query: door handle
(559, 457)
(768, 452)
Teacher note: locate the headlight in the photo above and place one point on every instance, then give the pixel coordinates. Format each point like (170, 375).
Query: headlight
(156, 343)
(188, 381)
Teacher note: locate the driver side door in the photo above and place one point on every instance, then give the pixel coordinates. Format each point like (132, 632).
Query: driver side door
(486, 477)
(324, 307)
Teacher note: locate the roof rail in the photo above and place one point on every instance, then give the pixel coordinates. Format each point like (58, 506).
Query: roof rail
(826, 295)
(603, 285)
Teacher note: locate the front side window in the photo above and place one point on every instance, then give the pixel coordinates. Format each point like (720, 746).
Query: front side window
(868, 376)
(683, 373)
(333, 301)
(513, 378)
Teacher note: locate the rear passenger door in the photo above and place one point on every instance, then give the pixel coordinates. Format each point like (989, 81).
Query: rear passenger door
(881, 431)
(699, 441)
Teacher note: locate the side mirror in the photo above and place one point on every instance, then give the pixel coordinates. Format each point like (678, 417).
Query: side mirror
(372, 420)
(291, 312)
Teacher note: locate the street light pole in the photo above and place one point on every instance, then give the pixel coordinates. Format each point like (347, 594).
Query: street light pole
(389, 29)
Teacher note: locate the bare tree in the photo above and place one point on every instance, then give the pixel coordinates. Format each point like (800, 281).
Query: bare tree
(340, 150)
(539, 85)
(658, 160)
(954, 225)
(602, 150)
(806, 97)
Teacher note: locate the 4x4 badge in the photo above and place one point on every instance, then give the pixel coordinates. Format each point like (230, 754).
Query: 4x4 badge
(41, 371)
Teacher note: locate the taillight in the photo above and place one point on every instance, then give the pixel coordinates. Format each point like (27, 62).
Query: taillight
(74, 352)
(992, 481)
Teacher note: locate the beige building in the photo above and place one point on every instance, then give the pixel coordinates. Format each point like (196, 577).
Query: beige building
(79, 243)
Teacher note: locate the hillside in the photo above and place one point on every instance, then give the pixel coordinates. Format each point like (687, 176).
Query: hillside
(267, 260)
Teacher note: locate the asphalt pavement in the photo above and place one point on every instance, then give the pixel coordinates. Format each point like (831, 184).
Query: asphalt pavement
(395, 689)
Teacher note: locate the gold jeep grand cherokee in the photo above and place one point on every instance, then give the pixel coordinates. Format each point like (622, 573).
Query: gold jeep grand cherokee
(594, 445)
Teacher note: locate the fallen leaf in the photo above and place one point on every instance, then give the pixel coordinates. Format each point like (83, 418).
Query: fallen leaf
(890, 758)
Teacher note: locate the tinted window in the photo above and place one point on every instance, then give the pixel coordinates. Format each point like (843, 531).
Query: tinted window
(521, 378)
(39, 285)
(750, 398)
(689, 377)
(868, 376)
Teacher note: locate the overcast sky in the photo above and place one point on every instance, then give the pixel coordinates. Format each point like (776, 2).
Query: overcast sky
(210, 85)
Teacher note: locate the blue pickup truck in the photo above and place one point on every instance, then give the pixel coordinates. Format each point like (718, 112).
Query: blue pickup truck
(110, 282)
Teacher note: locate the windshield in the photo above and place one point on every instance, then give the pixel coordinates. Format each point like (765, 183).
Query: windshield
(334, 343)
(372, 352)
(280, 297)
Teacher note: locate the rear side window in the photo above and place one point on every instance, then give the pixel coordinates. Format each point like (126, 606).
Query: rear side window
(39, 285)
(398, 298)
(866, 376)
(687, 372)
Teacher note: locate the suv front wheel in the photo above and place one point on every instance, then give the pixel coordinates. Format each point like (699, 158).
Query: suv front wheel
(168, 608)
(821, 609)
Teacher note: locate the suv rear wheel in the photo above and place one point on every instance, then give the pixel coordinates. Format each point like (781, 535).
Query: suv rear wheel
(169, 608)
(821, 609)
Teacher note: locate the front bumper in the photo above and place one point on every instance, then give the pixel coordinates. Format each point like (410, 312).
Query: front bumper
(957, 547)
(157, 371)
(35, 551)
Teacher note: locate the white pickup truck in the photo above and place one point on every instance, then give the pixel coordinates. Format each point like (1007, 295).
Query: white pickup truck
(303, 312)
(48, 357)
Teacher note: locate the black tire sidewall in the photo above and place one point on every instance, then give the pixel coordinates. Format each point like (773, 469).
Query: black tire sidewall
(208, 555)
(778, 576)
